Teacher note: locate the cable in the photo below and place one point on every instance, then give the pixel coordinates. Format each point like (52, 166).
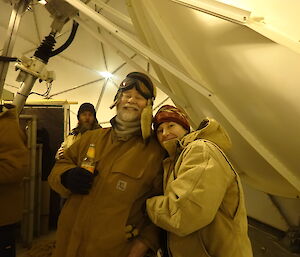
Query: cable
(68, 42)
(44, 51)
(8, 59)
(46, 94)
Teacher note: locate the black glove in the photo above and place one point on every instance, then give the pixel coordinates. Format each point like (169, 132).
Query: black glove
(78, 180)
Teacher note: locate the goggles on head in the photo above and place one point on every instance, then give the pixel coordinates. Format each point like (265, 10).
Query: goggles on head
(141, 85)
(129, 83)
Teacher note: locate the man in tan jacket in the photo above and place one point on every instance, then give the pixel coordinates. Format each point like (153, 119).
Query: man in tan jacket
(104, 215)
(13, 166)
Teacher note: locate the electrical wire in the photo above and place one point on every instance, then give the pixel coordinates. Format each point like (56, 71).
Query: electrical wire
(68, 42)
(46, 94)
(8, 59)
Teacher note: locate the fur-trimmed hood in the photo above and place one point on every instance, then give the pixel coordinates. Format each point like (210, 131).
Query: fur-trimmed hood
(209, 129)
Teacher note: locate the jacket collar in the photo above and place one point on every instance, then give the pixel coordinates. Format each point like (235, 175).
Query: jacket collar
(173, 147)
(211, 131)
(124, 131)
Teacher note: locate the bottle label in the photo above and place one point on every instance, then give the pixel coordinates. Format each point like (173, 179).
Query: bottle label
(88, 162)
(91, 152)
(90, 168)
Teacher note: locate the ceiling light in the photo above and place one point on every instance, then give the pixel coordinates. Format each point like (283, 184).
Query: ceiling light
(105, 74)
(43, 2)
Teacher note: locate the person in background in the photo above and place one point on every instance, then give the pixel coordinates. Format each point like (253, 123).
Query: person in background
(86, 121)
(105, 215)
(203, 206)
(14, 161)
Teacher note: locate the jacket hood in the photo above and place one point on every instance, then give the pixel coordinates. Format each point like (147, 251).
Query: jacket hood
(210, 130)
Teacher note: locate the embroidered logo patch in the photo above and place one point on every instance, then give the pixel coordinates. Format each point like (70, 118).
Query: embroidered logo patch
(121, 185)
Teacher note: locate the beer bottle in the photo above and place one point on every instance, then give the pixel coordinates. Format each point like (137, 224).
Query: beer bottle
(88, 162)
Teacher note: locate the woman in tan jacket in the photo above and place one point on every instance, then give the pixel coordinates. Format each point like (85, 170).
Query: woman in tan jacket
(203, 203)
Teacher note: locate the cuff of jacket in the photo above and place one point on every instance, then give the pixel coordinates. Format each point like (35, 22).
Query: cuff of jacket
(54, 180)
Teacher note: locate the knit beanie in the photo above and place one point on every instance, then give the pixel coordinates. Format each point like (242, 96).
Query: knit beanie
(168, 113)
(143, 84)
(86, 107)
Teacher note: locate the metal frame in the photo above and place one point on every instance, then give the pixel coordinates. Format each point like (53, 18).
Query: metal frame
(161, 103)
(13, 27)
(36, 24)
(66, 120)
(123, 18)
(31, 222)
(38, 191)
(241, 16)
(218, 9)
(128, 60)
(27, 229)
(268, 31)
(138, 46)
(101, 94)
(73, 88)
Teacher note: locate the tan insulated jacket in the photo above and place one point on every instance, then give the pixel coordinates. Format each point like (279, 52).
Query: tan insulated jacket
(13, 167)
(203, 203)
(94, 225)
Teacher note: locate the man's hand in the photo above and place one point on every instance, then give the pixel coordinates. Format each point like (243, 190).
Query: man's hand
(60, 153)
(78, 180)
(138, 249)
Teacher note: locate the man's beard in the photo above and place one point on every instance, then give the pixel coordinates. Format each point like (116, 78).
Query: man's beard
(83, 127)
(128, 115)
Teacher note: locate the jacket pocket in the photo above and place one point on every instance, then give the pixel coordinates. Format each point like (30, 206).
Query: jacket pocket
(131, 170)
(126, 182)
